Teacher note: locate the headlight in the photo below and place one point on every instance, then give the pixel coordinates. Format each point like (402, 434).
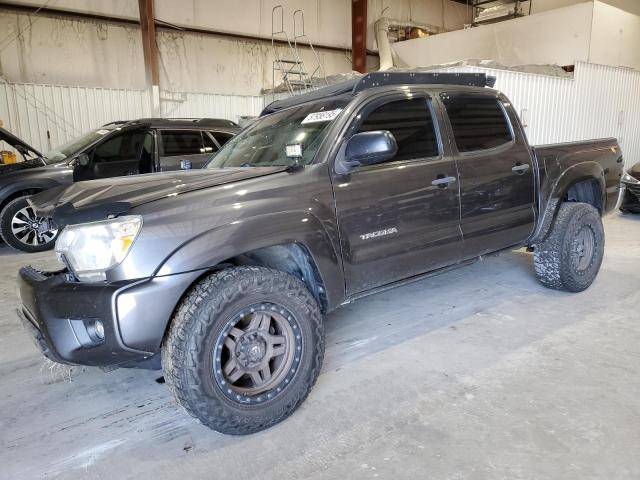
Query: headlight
(626, 178)
(92, 248)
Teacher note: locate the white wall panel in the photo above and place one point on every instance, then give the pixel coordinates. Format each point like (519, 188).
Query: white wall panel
(48, 115)
(558, 37)
(194, 105)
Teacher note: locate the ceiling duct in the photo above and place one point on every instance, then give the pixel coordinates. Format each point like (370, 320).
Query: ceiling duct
(388, 31)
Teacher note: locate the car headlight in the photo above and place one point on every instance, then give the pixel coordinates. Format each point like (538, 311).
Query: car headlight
(626, 178)
(90, 249)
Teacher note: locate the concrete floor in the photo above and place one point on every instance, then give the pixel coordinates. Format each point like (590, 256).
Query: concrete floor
(480, 373)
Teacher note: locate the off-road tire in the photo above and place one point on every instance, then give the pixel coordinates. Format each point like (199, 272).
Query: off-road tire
(187, 352)
(555, 257)
(6, 217)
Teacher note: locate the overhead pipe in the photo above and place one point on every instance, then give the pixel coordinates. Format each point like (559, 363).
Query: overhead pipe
(384, 46)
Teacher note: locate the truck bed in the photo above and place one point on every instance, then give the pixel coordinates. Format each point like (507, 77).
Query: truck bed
(602, 158)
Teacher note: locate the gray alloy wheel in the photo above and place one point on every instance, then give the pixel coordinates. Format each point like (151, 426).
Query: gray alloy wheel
(23, 230)
(256, 352)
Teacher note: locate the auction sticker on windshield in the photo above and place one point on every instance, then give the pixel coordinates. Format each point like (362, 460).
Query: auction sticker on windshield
(317, 117)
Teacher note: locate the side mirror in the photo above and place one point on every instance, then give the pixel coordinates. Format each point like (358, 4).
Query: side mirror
(83, 160)
(367, 148)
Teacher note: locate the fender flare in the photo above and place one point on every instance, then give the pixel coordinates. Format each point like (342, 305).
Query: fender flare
(213, 247)
(586, 171)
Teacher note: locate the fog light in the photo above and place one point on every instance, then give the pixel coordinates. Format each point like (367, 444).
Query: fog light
(99, 329)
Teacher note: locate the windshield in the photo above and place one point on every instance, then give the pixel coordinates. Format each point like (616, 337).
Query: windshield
(263, 144)
(69, 149)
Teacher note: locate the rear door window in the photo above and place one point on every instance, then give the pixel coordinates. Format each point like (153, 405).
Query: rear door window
(177, 142)
(182, 149)
(478, 123)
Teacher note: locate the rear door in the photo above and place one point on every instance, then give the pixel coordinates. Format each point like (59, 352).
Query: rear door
(394, 222)
(192, 146)
(497, 183)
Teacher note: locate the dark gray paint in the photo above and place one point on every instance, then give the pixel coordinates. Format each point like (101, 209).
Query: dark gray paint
(193, 221)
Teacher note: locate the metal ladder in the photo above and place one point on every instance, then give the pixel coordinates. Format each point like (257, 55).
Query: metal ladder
(292, 69)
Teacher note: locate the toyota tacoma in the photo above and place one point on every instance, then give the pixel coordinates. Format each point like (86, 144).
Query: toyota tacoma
(222, 277)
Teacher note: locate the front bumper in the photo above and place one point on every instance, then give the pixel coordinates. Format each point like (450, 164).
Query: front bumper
(60, 314)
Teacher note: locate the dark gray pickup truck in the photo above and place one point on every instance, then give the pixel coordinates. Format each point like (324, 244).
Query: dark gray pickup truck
(226, 274)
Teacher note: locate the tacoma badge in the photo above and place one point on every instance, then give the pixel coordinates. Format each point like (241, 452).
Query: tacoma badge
(379, 233)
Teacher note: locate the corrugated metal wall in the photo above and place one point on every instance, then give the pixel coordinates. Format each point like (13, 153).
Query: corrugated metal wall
(190, 105)
(48, 115)
(599, 101)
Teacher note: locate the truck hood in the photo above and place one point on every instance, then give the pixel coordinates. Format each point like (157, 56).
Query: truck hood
(98, 199)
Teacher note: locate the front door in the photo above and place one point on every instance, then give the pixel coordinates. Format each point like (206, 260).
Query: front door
(400, 218)
(497, 183)
(119, 155)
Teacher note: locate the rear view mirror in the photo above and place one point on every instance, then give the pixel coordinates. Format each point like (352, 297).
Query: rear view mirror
(367, 148)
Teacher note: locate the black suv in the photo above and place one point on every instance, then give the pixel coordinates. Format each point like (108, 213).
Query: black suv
(113, 150)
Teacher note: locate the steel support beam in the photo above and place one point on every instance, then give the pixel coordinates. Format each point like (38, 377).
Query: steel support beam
(359, 35)
(149, 46)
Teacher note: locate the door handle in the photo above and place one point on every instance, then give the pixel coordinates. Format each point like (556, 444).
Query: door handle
(443, 182)
(520, 168)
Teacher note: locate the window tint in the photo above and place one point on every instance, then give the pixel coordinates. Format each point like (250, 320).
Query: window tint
(180, 142)
(125, 146)
(222, 138)
(411, 124)
(209, 145)
(478, 123)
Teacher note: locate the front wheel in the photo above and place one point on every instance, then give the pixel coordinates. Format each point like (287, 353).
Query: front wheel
(570, 256)
(244, 349)
(23, 230)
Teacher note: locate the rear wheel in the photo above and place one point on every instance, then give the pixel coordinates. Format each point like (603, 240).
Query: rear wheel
(570, 256)
(23, 230)
(244, 349)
